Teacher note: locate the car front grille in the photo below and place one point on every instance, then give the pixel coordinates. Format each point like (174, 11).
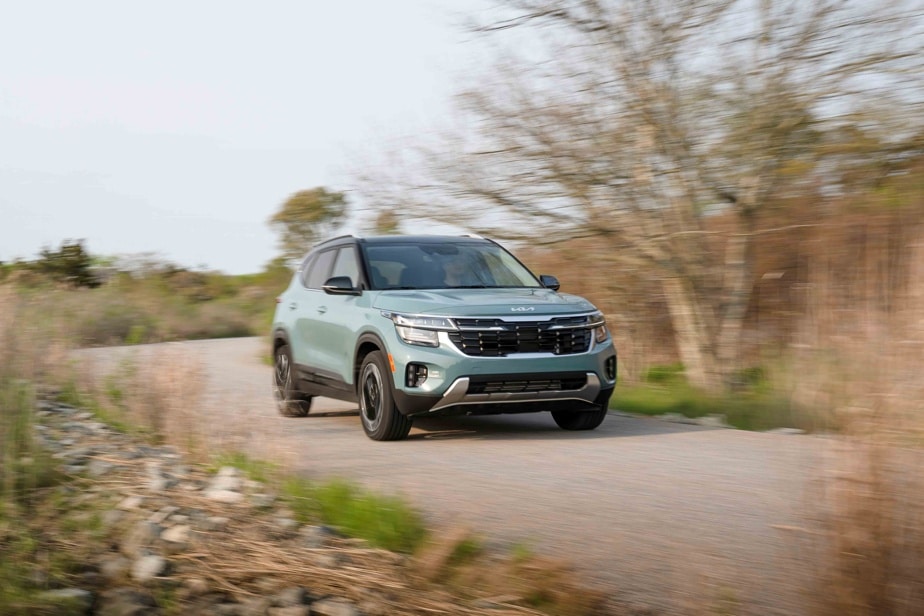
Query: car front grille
(512, 384)
(499, 338)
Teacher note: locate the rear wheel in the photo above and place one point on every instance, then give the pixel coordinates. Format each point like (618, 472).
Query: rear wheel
(579, 420)
(381, 419)
(289, 401)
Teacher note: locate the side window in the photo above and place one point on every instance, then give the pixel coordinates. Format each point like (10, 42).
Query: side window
(318, 269)
(305, 269)
(346, 265)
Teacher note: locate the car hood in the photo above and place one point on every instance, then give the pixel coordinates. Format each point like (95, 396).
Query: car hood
(482, 302)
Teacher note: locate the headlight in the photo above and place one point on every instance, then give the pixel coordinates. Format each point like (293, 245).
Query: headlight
(421, 330)
(598, 324)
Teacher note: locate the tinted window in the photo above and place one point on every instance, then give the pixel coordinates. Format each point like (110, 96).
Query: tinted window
(445, 265)
(319, 269)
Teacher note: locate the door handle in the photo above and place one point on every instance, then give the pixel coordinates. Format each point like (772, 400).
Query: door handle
(292, 305)
(322, 309)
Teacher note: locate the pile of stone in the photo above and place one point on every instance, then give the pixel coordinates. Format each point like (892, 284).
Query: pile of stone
(179, 538)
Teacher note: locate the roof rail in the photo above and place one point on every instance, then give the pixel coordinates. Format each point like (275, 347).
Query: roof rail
(339, 237)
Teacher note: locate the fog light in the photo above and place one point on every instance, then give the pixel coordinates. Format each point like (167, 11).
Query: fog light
(416, 375)
(611, 368)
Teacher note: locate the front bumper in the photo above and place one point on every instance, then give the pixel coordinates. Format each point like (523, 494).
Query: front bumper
(460, 401)
(527, 382)
(460, 393)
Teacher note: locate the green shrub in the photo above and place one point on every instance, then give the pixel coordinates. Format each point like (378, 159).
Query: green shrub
(384, 521)
(665, 373)
(752, 405)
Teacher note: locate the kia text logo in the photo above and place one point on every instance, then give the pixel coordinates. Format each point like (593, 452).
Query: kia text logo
(523, 309)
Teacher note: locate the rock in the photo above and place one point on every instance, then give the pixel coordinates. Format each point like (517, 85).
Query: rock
(96, 427)
(177, 534)
(255, 606)
(126, 602)
(162, 514)
(114, 567)
(112, 517)
(288, 597)
(374, 608)
(68, 600)
(130, 503)
(678, 418)
(262, 501)
(215, 522)
(196, 586)
(286, 527)
(712, 421)
(790, 431)
(314, 537)
(226, 482)
(158, 481)
(326, 560)
(294, 610)
(149, 567)
(98, 468)
(224, 496)
(333, 607)
(139, 537)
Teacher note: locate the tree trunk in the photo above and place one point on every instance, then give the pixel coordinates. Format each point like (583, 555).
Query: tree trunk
(737, 286)
(691, 331)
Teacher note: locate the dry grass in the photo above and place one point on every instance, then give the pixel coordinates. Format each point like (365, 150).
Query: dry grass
(156, 395)
(161, 401)
(861, 356)
(31, 350)
(164, 399)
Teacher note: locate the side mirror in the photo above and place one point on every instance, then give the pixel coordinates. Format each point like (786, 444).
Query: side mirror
(549, 282)
(340, 285)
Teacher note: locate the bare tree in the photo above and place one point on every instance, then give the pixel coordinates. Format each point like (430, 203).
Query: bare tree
(646, 121)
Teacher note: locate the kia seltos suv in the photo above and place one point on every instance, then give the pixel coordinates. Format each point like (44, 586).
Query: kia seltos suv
(413, 326)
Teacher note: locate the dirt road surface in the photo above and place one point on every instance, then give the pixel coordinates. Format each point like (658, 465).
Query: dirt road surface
(676, 518)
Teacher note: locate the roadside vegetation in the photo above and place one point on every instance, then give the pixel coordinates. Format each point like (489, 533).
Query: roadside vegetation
(141, 299)
(48, 533)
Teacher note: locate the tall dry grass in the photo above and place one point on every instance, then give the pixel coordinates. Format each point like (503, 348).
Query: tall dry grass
(153, 391)
(32, 352)
(860, 357)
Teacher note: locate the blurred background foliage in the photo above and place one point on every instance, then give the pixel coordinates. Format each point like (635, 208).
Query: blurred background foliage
(730, 182)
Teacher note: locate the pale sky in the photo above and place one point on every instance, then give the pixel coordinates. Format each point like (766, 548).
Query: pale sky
(180, 127)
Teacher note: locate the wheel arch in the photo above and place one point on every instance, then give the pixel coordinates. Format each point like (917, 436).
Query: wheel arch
(365, 344)
(280, 337)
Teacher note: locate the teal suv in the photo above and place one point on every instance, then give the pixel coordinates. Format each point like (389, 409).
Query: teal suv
(417, 326)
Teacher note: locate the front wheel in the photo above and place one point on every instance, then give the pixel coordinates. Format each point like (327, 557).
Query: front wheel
(579, 420)
(381, 419)
(289, 401)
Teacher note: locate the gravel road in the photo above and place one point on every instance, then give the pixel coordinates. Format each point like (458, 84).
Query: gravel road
(676, 518)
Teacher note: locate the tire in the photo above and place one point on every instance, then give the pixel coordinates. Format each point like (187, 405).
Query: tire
(579, 420)
(289, 401)
(381, 419)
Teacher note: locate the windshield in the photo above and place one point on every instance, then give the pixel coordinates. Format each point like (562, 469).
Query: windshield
(446, 265)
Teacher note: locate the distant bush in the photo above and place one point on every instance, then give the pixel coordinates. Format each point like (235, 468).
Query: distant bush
(70, 264)
(665, 373)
